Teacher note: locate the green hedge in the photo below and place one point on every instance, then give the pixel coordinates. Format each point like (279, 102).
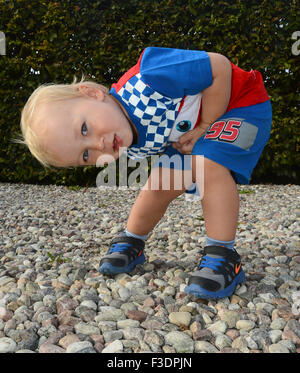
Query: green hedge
(50, 41)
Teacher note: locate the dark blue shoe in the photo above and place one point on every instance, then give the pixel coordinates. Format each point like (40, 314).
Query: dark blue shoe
(123, 255)
(219, 272)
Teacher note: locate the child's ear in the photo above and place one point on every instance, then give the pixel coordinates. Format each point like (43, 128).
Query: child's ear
(92, 92)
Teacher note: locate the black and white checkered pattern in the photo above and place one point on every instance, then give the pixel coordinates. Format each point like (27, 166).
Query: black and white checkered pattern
(154, 111)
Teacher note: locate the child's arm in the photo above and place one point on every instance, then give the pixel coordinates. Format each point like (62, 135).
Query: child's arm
(215, 100)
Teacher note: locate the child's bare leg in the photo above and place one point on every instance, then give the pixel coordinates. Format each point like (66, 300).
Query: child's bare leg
(220, 201)
(127, 252)
(151, 205)
(220, 268)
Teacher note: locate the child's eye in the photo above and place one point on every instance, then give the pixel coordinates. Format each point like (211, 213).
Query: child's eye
(84, 129)
(84, 133)
(85, 155)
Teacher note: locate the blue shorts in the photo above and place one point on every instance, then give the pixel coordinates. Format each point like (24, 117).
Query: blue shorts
(236, 141)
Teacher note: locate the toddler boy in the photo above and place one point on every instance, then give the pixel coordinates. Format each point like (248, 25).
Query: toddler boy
(192, 104)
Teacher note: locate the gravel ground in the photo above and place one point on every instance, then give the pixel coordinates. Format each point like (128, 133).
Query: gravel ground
(53, 300)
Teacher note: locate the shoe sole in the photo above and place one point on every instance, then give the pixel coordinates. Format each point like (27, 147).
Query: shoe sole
(108, 269)
(198, 292)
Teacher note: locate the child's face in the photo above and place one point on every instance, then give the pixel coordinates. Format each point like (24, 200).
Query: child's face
(78, 131)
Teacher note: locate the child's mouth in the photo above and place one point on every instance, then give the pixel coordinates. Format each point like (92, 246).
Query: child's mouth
(117, 143)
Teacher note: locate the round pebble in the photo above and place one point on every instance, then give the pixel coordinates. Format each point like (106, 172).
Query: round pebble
(80, 347)
(218, 327)
(245, 325)
(278, 323)
(7, 345)
(180, 341)
(113, 347)
(87, 329)
(204, 346)
(275, 335)
(180, 318)
(231, 318)
(278, 348)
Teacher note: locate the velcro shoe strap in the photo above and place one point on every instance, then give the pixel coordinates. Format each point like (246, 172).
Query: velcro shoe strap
(134, 242)
(223, 252)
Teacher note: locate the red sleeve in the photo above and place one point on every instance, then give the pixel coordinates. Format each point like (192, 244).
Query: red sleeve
(247, 88)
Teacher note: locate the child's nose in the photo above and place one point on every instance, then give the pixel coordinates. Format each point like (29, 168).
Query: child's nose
(97, 145)
(100, 144)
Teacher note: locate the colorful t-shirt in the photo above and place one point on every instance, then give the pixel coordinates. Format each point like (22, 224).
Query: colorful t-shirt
(162, 95)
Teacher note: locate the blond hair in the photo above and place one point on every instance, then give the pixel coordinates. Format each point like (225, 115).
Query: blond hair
(47, 93)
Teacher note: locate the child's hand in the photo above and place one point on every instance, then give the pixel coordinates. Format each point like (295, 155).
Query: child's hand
(187, 141)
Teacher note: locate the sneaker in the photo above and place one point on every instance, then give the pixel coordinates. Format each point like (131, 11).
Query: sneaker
(123, 255)
(219, 272)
